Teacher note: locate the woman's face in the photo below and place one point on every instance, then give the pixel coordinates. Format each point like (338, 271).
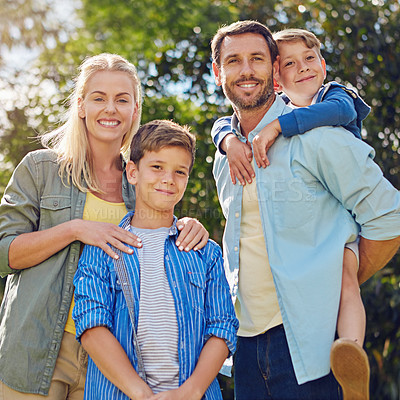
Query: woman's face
(108, 108)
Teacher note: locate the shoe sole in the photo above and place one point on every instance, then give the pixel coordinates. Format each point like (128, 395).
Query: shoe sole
(350, 366)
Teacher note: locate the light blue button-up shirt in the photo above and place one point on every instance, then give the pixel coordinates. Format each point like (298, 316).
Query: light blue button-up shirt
(321, 190)
(202, 300)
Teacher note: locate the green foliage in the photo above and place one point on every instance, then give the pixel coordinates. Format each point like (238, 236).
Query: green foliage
(382, 302)
(169, 42)
(25, 22)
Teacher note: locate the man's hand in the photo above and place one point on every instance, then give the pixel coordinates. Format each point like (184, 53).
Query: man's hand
(239, 157)
(263, 141)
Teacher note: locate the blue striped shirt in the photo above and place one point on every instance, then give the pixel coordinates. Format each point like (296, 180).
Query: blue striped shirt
(202, 300)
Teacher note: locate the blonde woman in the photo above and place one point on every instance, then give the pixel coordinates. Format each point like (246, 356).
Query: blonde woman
(74, 192)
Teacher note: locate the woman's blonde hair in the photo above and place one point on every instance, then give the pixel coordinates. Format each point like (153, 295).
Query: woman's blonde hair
(70, 141)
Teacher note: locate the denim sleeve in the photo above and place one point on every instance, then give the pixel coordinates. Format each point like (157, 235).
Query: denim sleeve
(337, 109)
(93, 300)
(219, 130)
(345, 166)
(220, 315)
(19, 210)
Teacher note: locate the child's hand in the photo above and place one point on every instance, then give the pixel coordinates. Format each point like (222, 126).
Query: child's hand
(176, 394)
(146, 394)
(168, 395)
(264, 140)
(239, 157)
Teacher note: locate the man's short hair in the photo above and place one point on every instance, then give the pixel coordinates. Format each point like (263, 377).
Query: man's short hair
(296, 35)
(158, 134)
(238, 28)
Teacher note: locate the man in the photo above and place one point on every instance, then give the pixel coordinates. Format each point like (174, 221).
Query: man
(286, 231)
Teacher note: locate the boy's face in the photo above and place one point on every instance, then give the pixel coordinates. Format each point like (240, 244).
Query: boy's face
(300, 72)
(160, 179)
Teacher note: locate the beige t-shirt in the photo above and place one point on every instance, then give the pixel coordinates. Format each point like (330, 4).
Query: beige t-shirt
(257, 304)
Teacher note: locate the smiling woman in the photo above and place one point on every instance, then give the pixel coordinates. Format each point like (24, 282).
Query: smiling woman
(109, 109)
(58, 199)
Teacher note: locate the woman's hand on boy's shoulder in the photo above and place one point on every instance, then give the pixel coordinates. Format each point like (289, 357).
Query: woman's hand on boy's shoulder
(101, 234)
(192, 234)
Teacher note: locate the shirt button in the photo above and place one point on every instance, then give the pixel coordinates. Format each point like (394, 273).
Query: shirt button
(236, 248)
(237, 215)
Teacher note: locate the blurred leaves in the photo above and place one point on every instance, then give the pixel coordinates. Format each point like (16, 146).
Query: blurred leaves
(26, 23)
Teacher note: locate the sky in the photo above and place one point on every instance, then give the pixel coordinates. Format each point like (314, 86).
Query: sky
(20, 57)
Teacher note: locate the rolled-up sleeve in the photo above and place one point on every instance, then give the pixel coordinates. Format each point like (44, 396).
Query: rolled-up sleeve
(345, 165)
(19, 210)
(93, 297)
(220, 315)
(220, 129)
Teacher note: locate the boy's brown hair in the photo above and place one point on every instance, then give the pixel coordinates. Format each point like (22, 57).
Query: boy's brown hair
(295, 35)
(158, 134)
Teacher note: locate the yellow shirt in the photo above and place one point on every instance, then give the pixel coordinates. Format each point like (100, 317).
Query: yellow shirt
(257, 303)
(102, 211)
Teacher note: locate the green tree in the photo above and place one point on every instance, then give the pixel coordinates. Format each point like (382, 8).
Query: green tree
(29, 101)
(169, 42)
(27, 28)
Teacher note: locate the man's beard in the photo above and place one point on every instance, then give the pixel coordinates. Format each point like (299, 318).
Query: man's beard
(260, 100)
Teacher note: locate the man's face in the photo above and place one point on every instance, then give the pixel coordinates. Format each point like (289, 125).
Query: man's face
(245, 73)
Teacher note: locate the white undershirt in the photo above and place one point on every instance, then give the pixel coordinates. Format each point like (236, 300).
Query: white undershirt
(157, 326)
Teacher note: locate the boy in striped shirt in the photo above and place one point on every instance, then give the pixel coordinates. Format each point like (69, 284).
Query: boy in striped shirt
(157, 323)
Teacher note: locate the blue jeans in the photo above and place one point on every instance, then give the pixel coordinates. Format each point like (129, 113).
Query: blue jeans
(263, 371)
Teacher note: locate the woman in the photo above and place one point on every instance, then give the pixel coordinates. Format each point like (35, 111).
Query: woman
(72, 193)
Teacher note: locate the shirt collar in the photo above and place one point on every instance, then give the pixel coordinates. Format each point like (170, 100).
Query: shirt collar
(126, 221)
(276, 109)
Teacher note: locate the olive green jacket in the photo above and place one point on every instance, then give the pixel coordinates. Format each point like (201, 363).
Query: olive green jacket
(37, 300)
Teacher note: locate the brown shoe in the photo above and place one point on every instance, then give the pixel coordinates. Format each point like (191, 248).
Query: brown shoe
(349, 364)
